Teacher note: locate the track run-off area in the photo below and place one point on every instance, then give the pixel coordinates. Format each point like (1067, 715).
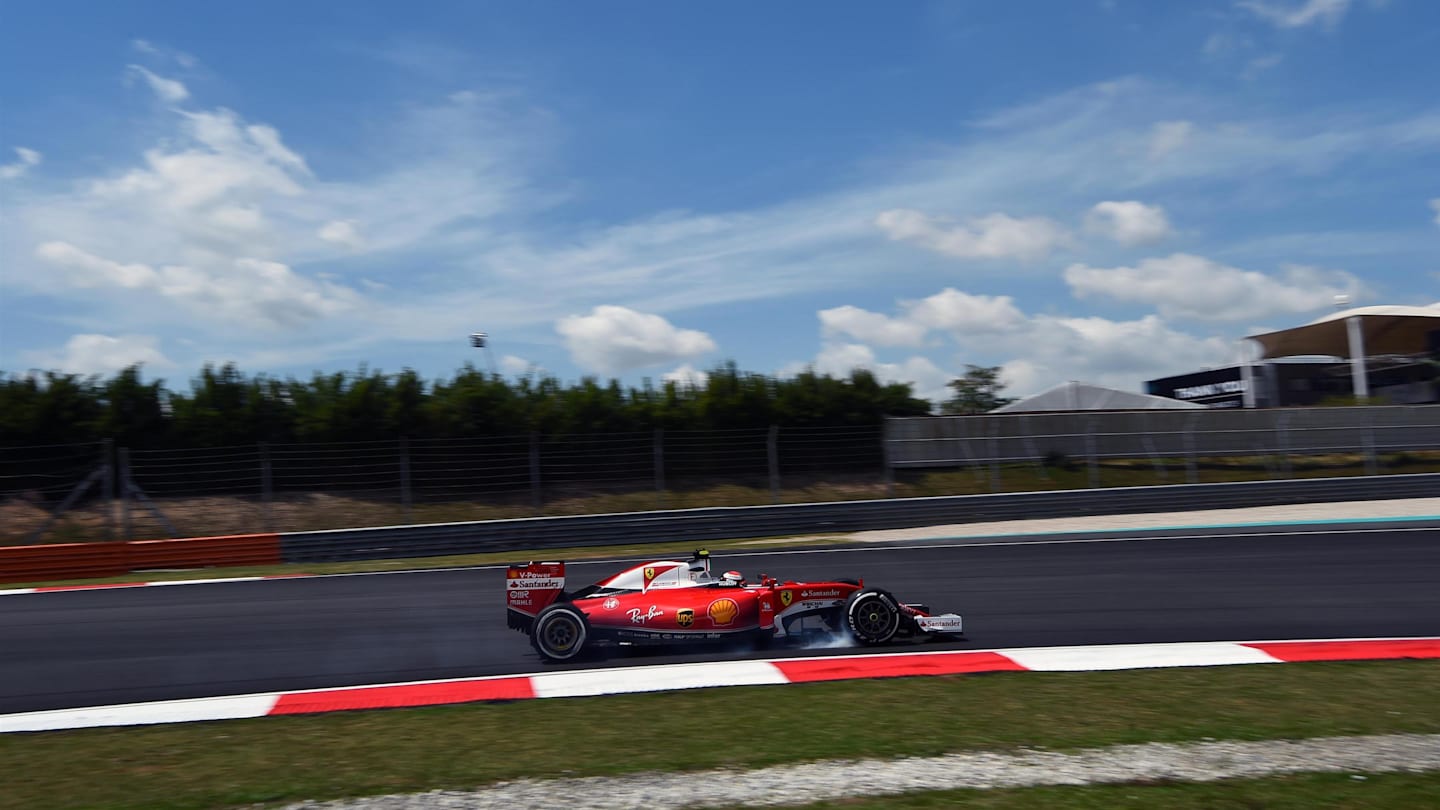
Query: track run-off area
(1346, 580)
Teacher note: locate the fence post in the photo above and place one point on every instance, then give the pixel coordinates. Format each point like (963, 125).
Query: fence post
(1031, 449)
(772, 451)
(994, 432)
(973, 459)
(1094, 463)
(1371, 468)
(266, 519)
(535, 498)
(108, 486)
(888, 472)
(405, 478)
(125, 488)
(1192, 473)
(659, 468)
(1282, 439)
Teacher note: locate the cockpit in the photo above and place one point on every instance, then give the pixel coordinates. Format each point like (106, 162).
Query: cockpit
(691, 573)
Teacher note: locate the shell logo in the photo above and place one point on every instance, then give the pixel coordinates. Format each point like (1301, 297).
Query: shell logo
(723, 611)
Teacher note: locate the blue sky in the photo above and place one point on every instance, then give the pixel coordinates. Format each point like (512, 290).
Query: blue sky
(1108, 191)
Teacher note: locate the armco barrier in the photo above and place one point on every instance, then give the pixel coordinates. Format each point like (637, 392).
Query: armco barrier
(84, 560)
(197, 552)
(703, 525)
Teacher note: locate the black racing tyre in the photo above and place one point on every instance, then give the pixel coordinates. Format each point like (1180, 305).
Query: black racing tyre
(872, 616)
(559, 632)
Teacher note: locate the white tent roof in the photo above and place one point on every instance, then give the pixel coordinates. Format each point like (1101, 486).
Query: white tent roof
(1386, 330)
(1079, 396)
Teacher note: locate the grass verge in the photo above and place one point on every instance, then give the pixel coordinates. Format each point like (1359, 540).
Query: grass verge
(235, 763)
(1304, 792)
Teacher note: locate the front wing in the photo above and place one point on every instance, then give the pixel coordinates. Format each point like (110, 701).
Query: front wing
(944, 624)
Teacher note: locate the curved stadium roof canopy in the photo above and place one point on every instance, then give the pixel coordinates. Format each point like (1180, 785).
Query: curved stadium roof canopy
(1383, 330)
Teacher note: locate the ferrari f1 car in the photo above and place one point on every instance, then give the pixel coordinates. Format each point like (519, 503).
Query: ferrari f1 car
(673, 602)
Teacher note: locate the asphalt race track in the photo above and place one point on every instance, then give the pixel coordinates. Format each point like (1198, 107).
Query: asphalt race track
(80, 648)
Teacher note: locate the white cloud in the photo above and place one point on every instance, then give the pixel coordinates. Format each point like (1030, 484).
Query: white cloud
(223, 163)
(1435, 204)
(1187, 286)
(871, 327)
(838, 359)
(961, 313)
(150, 49)
(241, 291)
(169, 91)
(27, 159)
(1130, 223)
(1119, 354)
(1289, 15)
(209, 233)
(995, 236)
(686, 375)
(613, 339)
(1260, 64)
(511, 364)
(342, 233)
(950, 310)
(455, 211)
(101, 354)
(1221, 44)
(1035, 351)
(1168, 136)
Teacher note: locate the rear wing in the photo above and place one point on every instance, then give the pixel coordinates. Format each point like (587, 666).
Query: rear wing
(529, 589)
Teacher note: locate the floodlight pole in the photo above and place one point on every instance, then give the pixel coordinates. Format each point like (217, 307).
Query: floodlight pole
(481, 341)
(1359, 378)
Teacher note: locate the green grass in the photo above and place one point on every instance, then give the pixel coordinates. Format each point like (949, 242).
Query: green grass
(233, 763)
(1303, 792)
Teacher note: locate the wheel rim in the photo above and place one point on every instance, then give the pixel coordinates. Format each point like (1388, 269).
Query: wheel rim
(872, 619)
(560, 634)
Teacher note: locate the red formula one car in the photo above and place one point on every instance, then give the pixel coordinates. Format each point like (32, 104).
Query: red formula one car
(671, 602)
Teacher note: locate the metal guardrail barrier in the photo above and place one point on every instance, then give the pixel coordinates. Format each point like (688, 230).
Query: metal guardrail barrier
(702, 525)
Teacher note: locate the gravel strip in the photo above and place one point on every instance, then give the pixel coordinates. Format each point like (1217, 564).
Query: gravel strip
(832, 780)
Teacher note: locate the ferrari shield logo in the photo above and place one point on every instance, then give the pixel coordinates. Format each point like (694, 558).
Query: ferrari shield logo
(786, 597)
(685, 617)
(649, 575)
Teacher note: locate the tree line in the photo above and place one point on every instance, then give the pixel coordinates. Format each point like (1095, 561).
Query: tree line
(225, 407)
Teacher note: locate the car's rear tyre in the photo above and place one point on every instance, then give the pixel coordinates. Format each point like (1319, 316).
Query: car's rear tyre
(872, 616)
(559, 632)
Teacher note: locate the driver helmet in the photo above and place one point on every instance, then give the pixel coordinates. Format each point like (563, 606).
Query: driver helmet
(732, 578)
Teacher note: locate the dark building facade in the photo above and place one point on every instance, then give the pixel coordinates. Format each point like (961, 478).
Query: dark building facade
(1294, 383)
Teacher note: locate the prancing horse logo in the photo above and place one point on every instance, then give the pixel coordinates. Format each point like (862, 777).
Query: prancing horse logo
(786, 597)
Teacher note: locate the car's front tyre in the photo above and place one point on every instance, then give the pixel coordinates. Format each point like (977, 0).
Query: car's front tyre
(872, 616)
(559, 632)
